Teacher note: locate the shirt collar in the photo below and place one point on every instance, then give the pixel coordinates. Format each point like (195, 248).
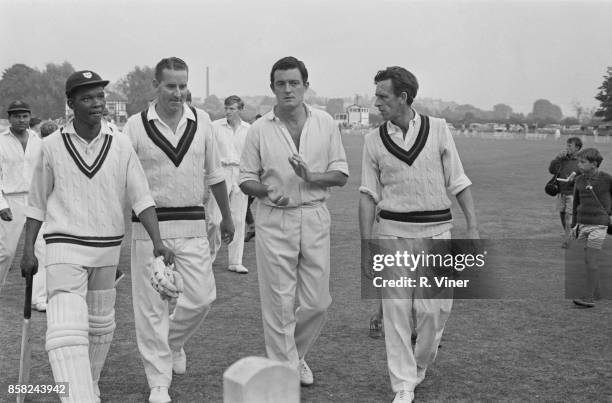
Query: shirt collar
(414, 122)
(104, 129)
(152, 113)
(272, 116)
(224, 122)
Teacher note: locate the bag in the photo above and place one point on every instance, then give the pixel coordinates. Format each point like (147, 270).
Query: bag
(552, 187)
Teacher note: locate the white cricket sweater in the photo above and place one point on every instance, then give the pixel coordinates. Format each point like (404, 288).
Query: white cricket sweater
(178, 166)
(80, 190)
(398, 187)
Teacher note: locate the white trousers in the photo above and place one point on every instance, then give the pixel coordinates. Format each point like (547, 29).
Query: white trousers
(159, 332)
(407, 316)
(10, 231)
(39, 282)
(238, 204)
(293, 249)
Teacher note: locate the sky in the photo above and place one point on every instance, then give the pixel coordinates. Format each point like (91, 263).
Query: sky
(471, 52)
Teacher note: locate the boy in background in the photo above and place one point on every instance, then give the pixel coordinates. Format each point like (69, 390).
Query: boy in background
(591, 216)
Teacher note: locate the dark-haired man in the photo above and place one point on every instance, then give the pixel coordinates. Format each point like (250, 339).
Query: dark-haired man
(292, 156)
(409, 164)
(19, 151)
(230, 133)
(81, 182)
(176, 146)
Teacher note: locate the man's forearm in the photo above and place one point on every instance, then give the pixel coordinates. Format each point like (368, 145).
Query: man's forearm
(328, 179)
(219, 190)
(148, 218)
(367, 210)
(466, 202)
(254, 188)
(32, 227)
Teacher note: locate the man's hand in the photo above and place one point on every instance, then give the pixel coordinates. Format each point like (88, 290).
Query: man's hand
(166, 253)
(277, 197)
(300, 167)
(227, 230)
(6, 214)
(366, 259)
(29, 264)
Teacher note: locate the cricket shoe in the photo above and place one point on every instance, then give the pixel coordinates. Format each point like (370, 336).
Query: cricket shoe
(404, 396)
(306, 377)
(118, 276)
(250, 233)
(584, 302)
(179, 362)
(238, 268)
(159, 394)
(40, 306)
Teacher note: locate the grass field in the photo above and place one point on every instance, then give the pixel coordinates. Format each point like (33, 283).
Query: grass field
(535, 347)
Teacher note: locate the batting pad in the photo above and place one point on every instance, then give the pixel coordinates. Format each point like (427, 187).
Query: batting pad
(67, 323)
(101, 307)
(67, 344)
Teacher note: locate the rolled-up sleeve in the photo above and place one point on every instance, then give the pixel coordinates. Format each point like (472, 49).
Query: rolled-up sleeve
(212, 163)
(370, 182)
(40, 187)
(250, 161)
(454, 178)
(337, 155)
(138, 191)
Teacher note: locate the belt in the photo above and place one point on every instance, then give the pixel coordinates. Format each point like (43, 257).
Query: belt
(418, 216)
(176, 213)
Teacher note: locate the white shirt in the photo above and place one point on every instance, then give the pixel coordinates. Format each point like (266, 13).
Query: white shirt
(17, 164)
(268, 146)
(230, 143)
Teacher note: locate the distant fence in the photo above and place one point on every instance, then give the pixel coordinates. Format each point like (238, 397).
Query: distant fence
(496, 135)
(524, 136)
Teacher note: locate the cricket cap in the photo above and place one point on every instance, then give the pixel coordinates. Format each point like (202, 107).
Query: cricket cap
(83, 78)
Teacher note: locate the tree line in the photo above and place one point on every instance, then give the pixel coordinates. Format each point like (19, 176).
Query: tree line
(44, 91)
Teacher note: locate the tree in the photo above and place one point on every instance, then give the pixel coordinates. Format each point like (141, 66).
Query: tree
(138, 88)
(545, 112)
(604, 96)
(43, 90)
(334, 105)
(16, 84)
(213, 106)
(502, 112)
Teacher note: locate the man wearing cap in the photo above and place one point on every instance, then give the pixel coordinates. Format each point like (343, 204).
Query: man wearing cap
(176, 147)
(19, 151)
(291, 157)
(409, 165)
(81, 182)
(230, 135)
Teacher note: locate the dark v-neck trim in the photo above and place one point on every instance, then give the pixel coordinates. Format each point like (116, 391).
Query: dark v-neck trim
(175, 154)
(411, 155)
(88, 170)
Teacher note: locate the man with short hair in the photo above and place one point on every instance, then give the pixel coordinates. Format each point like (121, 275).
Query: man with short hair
(19, 150)
(291, 157)
(176, 146)
(409, 164)
(231, 133)
(81, 182)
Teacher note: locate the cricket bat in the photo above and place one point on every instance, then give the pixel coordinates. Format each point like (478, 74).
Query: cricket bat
(26, 344)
